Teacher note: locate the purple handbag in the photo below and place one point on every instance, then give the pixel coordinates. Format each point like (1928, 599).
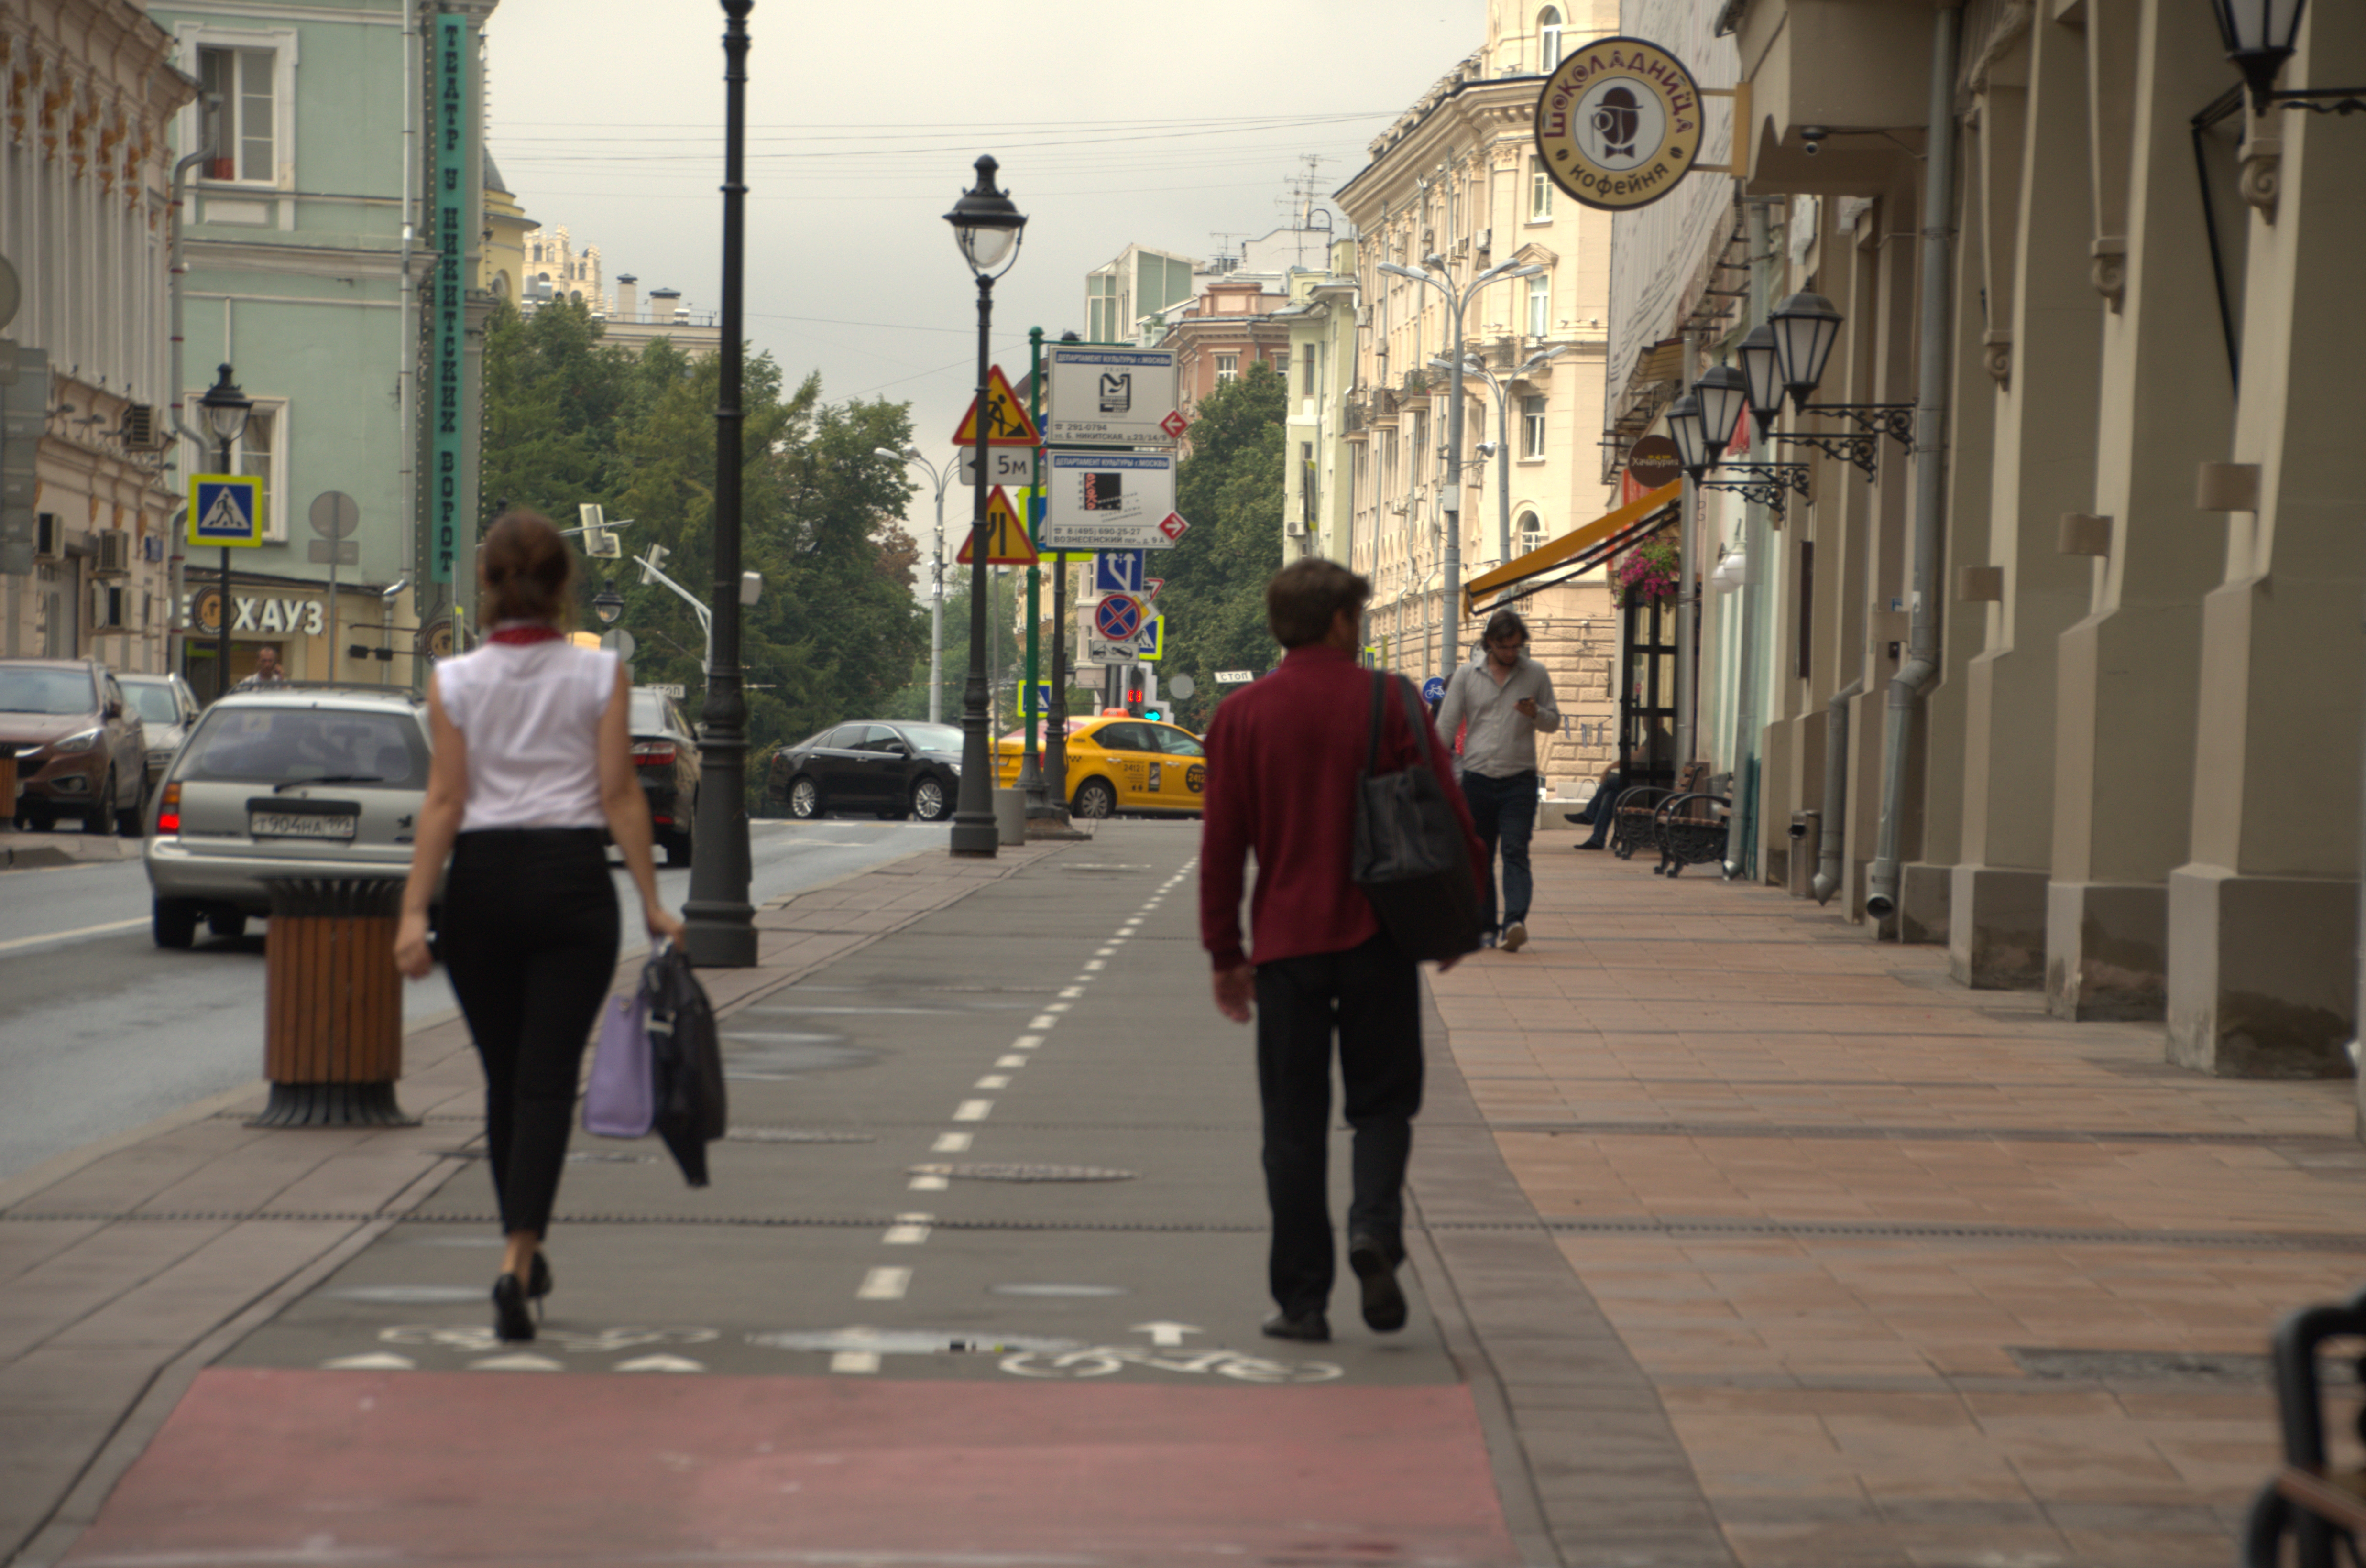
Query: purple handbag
(621, 1100)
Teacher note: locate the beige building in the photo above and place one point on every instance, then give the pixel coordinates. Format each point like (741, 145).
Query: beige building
(87, 90)
(1455, 184)
(2095, 640)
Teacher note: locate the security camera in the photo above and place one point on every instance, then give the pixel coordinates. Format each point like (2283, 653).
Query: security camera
(1486, 449)
(1812, 137)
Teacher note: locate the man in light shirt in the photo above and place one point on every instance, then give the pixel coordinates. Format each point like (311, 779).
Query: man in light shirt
(1506, 698)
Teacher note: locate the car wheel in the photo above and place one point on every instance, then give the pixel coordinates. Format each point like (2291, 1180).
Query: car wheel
(176, 923)
(99, 821)
(804, 798)
(928, 799)
(1095, 798)
(227, 922)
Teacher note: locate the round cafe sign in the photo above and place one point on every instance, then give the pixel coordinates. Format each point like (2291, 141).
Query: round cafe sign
(1618, 123)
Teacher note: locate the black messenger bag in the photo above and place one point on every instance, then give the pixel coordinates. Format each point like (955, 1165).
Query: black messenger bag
(1411, 857)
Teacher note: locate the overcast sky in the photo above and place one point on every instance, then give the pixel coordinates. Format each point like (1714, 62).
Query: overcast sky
(1114, 124)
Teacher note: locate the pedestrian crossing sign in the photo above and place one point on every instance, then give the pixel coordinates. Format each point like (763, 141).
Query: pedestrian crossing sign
(225, 509)
(1007, 543)
(1006, 423)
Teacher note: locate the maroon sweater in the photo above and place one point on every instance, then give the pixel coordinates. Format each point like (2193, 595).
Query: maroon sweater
(1282, 758)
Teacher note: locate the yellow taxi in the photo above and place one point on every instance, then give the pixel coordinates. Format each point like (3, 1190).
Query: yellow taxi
(1140, 766)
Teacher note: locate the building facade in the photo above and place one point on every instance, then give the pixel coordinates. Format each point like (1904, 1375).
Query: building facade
(88, 89)
(1455, 186)
(2088, 637)
(1318, 503)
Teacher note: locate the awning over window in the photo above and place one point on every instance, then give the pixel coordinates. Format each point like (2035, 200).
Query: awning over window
(1579, 549)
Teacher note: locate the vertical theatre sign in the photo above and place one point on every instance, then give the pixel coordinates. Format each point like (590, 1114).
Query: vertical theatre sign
(1618, 124)
(449, 176)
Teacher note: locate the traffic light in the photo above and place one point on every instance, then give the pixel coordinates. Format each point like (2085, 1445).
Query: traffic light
(1152, 713)
(1134, 695)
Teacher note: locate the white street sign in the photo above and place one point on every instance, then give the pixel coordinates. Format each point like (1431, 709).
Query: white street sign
(1235, 676)
(1095, 649)
(1114, 397)
(1111, 501)
(1011, 465)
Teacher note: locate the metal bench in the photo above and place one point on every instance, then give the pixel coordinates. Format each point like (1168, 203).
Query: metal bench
(2315, 1504)
(1632, 826)
(1690, 831)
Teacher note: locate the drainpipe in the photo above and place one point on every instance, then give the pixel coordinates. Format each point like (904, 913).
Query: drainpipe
(1835, 825)
(1914, 679)
(177, 627)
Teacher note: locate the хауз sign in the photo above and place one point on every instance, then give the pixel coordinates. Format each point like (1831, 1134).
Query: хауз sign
(265, 616)
(1618, 123)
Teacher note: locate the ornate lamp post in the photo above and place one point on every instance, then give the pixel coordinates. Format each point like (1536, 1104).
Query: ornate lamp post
(988, 227)
(719, 922)
(226, 410)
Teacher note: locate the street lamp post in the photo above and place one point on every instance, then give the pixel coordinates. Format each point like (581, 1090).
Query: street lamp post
(718, 920)
(1503, 435)
(940, 478)
(988, 227)
(226, 410)
(1431, 266)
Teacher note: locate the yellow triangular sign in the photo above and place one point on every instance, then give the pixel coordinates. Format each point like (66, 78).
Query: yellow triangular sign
(1007, 543)
(1007, 422)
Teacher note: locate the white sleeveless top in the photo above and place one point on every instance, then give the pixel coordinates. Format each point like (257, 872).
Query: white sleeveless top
(530, 713)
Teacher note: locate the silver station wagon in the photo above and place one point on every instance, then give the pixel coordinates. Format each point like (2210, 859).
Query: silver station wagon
(284, 781)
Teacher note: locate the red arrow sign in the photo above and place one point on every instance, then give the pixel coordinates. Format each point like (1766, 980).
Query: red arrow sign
(1173, 525)
(1175, 424)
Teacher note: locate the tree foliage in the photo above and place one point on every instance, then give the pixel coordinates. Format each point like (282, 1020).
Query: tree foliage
(571, 421)
(1229, 489)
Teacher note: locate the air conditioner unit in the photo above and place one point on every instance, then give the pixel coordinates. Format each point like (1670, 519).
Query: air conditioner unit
(114, 551)
(142, 430)
(48, 537)
(1293, 529)
(1484, 241)
(107, 607)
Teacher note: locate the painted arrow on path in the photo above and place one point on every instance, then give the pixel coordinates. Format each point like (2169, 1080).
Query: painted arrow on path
(1167, 1334)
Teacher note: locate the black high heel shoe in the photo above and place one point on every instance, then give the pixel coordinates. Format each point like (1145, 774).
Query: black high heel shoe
(537, 1281)
(511, 1323)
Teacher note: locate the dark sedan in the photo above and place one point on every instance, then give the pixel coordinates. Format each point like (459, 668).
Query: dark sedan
(665, 755)
(889, 766)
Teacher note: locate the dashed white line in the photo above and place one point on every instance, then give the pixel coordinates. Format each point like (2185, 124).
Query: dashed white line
(928, 1185)
(951, 1143)
(1056, 1006)
(1026, 1042)
(972, 1110)
(1092, 964)
(992, 1081)
(1068, 993)
(884, 1284)
(909, 1230)
(854, 1362)
(1009, 1061)
(1103, 952)
(1042, 1021)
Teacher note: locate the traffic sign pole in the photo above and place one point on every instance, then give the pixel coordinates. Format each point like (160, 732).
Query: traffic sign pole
(1030, 776)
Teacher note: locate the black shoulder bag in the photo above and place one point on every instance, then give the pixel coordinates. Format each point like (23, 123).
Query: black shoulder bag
(1411, 857)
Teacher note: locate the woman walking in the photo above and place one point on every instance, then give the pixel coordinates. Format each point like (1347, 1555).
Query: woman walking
(533, 756)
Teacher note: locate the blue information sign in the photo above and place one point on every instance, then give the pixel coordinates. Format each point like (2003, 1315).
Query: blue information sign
(1117, 571)
(1434, 689)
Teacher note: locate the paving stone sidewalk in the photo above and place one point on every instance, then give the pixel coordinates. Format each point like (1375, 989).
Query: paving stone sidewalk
(1921, 1275)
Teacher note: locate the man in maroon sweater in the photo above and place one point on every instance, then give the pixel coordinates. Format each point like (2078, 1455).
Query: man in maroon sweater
(1283, 756)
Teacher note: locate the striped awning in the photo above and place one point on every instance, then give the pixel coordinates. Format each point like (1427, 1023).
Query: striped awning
(1580, 549)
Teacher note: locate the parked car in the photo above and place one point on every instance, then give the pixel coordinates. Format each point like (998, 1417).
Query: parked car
(1140, 766)
(891, 766)
(166, 708)
(80, 749)
(284, 781)
(665, 755)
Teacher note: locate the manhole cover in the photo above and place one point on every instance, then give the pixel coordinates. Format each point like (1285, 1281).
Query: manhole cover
(794, 1135)
(1024, 1172)
(909, 1341)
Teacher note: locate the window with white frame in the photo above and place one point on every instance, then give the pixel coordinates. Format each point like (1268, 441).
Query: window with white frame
(259, 453)
(1312, 361)
(1547, 39)
(1540, 305)
(1532, 427)
(1539, 191)
(1228, 368)
(1532, 532)
(247, 91)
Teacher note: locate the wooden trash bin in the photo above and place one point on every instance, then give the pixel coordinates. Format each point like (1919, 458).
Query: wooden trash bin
(333, 1007)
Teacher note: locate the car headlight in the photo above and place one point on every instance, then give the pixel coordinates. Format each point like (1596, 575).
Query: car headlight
(80, 742)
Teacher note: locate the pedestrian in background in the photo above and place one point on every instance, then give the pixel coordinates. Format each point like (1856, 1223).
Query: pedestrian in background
(533, 756)
(267, 672)
(1283, 756)
(1505, 699)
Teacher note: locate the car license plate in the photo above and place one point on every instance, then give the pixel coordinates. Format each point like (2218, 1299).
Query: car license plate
(300, 825)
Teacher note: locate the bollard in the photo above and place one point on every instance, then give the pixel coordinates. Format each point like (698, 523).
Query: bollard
(1807, 845)
(1010, 816)
(333, 1007)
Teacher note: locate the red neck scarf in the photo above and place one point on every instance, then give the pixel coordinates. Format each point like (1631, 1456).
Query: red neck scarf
(527, 634)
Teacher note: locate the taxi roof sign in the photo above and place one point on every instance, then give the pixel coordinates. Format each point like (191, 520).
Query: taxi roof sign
(225, 510)
(1007, 422)
(1007, 542)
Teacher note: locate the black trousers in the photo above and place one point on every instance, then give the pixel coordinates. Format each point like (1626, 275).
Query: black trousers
(1370, 997)
(529, 937)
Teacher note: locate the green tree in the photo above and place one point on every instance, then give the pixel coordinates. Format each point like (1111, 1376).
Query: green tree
(1229, 489)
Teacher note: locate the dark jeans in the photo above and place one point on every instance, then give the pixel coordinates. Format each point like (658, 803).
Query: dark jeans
(530, 939)
(1505, 813)
(1370, 997)
(1601, 808)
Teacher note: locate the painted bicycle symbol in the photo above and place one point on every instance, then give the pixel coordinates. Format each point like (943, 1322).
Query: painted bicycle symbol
(479, 1341)
(1100, 1361)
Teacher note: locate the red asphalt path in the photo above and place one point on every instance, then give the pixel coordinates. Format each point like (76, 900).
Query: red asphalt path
(294, 1467)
